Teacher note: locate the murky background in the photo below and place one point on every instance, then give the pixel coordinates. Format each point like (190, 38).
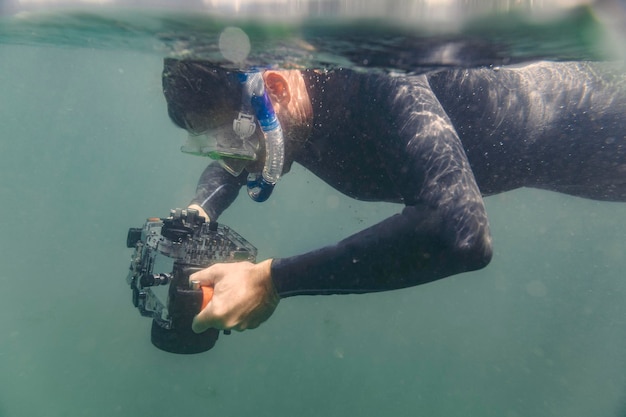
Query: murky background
(87, 150)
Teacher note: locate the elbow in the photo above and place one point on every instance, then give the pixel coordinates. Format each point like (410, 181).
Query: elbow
(475, 253)
(484, 254)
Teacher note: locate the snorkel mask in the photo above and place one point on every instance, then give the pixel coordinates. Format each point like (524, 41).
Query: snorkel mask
(235, 148)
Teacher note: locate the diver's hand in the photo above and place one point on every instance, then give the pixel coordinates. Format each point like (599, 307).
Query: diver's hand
(243, 296)
(201, 211)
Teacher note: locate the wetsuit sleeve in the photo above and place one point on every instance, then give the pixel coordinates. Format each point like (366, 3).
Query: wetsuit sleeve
(443, 228)
(217, 189)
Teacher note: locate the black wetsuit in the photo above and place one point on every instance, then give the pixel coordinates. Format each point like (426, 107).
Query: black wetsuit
(429, 142)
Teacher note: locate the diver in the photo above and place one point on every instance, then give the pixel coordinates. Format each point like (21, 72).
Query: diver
(436, 143)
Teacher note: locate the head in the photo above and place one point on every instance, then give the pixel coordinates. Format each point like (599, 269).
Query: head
(244, 120)
(202, 96)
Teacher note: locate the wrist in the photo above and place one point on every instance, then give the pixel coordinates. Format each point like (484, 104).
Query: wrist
(265, 271)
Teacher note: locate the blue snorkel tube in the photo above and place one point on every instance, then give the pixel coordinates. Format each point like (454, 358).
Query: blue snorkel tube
(260, 186)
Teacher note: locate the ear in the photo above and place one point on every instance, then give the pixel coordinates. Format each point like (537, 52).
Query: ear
(277, 87)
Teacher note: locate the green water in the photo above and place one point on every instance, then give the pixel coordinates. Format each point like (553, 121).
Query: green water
(87, 150)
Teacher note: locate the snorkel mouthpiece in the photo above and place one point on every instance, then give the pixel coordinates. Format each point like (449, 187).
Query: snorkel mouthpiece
(260, 186)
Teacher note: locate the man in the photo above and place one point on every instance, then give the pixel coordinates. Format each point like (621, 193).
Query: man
(436, 143)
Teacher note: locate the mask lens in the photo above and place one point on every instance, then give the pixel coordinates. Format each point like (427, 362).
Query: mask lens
(226, 146)
(199, 144)
(233, 146)
(233, 166)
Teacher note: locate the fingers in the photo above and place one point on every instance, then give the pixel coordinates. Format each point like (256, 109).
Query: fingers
(200, 211)
(210, 318)
(200, 323)
(206, 277)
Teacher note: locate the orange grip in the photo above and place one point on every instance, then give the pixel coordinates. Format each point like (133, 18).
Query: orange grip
(207, 294)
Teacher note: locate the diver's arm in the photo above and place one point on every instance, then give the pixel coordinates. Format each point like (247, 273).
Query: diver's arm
(442, 231)
(216, 190)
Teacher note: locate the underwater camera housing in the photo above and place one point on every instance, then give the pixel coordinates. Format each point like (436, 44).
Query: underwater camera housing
(167, 252)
